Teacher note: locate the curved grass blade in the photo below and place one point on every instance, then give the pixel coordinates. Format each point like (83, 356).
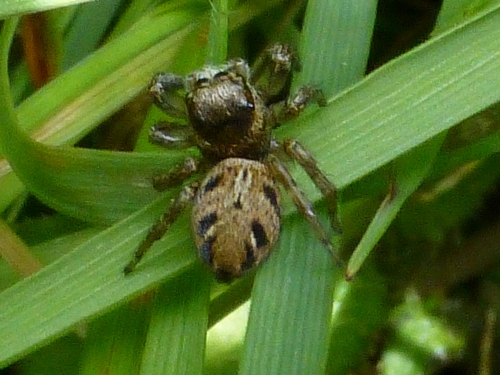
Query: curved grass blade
(406, 102)
(18, 7)
(91, 185)
(88, 282)
(409, 172)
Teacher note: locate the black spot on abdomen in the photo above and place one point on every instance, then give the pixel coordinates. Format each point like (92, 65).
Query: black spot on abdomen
(211, 184)
(259, 234)
(271, 195)
(205, 224)
(237, 203)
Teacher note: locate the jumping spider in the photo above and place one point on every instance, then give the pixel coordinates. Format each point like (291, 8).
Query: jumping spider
(236, 211)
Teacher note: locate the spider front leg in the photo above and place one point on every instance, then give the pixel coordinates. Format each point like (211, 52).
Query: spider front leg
(298, 153)
(274, 72)
(304, 206)
(168, 91)
(175, 176)
(173, 136)
(185, 197)
(296, 104)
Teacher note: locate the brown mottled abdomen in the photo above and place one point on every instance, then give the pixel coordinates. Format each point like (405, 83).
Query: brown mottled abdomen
(236, 217)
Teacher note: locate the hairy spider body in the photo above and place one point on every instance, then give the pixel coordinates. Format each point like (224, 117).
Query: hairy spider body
(236, 193)
(236, 207)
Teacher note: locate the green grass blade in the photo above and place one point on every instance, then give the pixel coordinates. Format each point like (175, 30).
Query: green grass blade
(177, 332)
(406, 102)
(290, 315)
(409, 172)
(10, 8)
(292, 298)
(89, 281)
(218, 34)
(360, 310)
(85, 183)
(113, 343)
(454, 12)
(336, 43)
(87, 29)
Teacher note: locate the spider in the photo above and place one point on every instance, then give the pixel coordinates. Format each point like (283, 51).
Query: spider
(236, 214)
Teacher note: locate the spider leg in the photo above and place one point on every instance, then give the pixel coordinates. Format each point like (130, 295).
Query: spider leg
(304, 206)
(298, 153)
(175, 176)
(172, 135)
(274, 72)
(239, 67)
(296, 104)
(168, 91)
(185, 197)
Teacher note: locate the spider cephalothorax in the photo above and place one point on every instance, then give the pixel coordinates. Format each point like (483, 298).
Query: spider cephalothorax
(236, 206)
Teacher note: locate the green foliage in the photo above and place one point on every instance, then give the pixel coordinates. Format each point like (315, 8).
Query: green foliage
(418, 138)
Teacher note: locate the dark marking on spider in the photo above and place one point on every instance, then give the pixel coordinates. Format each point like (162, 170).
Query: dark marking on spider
(237, 204)
(259, 234)
(212, 183)
(271, 195)
(206, 223)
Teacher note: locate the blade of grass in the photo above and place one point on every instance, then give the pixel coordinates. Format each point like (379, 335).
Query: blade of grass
(454, 12)
(177, 332)
(10, 8)
(114, 342)
(404, 103)
(87, 30)
(360, 310)
(409, 172)
(83, 183)
(336, 43)
(291, 307)
(218, 34)
(89, 281)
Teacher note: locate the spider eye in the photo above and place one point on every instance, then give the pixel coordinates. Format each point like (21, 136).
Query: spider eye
(220, 75)
(202, 82)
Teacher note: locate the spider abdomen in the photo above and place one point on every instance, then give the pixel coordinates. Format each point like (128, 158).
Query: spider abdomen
(236, 216)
